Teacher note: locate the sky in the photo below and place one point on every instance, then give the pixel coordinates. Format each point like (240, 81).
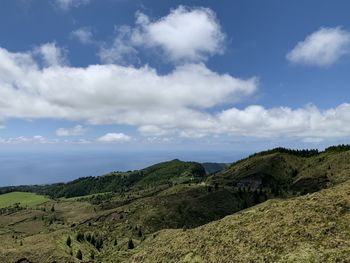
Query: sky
(242, 75)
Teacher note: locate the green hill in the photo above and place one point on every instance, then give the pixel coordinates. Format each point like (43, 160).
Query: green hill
(258, 209)
(170, 172)
(311, 228)
(287, 172)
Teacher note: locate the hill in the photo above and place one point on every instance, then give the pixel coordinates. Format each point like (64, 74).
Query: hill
(249, 208)
(170, 172)
(311, 228)
(283, 172)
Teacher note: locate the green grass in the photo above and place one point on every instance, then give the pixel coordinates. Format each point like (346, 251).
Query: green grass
(24, 199)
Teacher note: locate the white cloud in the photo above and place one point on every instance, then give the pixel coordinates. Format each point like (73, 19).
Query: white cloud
(181, 103)
(121, 51)
(184, 35)
(322, 48)
(114, 137)
(68, 4)
(308, 122)
(84, 35)
(51, 54)
(113, 93)
(24, 139)
(76, 130)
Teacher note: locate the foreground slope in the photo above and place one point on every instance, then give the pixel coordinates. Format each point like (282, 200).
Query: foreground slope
(311, 228)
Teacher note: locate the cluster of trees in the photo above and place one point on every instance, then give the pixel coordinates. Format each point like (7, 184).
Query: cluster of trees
(338, 148)
(300, 153)
(303, 152)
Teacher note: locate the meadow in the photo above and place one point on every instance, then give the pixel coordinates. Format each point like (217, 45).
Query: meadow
(21, 198)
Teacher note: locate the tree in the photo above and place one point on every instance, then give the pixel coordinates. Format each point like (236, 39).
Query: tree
(131, 244)
(69, 241)
(79, 255)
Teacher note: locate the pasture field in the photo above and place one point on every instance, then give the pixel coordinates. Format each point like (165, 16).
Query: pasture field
(24, 199)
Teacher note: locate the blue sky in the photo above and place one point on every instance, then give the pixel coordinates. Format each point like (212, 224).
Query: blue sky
(245, 75)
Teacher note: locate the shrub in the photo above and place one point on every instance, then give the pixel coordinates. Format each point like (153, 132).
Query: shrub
(79, 255)
(69, 241)
(131, 244)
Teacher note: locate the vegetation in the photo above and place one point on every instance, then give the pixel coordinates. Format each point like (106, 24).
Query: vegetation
(311, 228)
(214, 217)
(22, 199)
(119, 182)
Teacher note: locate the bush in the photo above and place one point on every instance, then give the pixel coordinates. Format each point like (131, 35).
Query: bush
(79, 255)
(131, 244)
(69, 241)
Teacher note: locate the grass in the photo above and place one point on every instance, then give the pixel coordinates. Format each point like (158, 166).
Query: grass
(24, 199)
(311, 228)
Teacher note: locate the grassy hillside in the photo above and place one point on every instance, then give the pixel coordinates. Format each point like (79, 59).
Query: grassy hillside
(284, 173)
(119, 207)
(21, 198)
(311, 228)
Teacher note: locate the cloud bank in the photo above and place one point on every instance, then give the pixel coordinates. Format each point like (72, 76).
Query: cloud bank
(180, 103)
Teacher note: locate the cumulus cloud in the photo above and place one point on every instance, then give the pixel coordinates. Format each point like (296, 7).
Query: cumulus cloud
(184, 35)
(322, 48)
(114, 137)
(181, 103)
(76, 130)
(113, 93)
(68, 4)
(308, 122)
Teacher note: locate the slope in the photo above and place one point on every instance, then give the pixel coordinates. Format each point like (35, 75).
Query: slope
(311, 228)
